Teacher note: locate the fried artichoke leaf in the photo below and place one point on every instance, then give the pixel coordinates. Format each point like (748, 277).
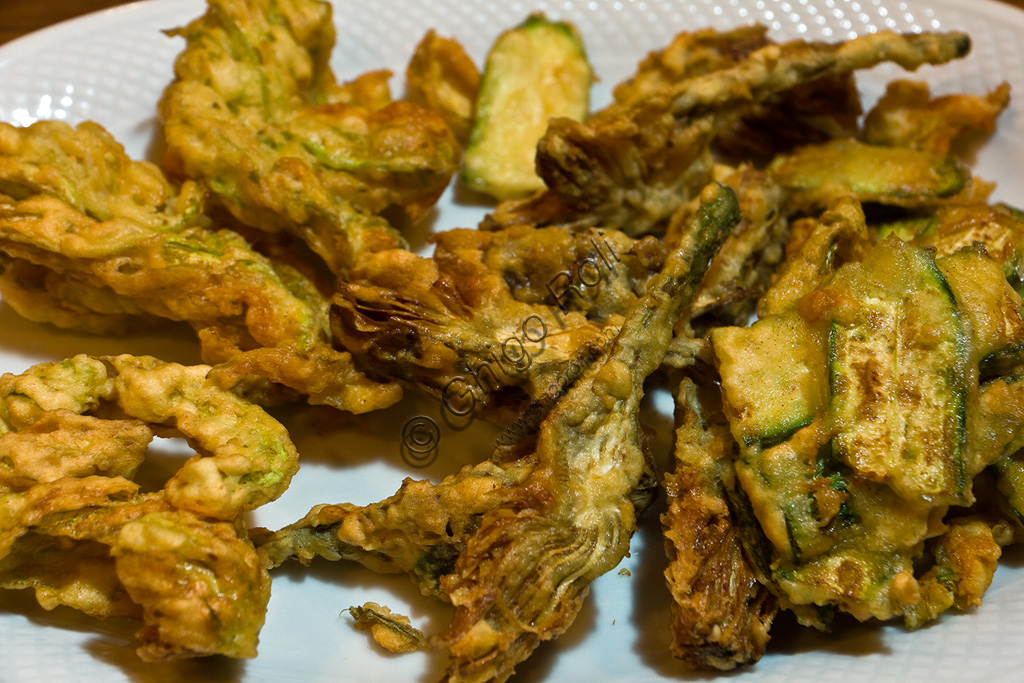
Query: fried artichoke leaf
(631, 167)
(524, 573)
(514, 542)
(721, 610)
(480, 333)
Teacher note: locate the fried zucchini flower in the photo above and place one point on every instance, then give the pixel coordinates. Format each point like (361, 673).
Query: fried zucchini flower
(97, 241)
(256, 116)
(76, 528)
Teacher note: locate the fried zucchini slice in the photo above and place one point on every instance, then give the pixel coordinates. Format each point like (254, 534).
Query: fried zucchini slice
(771, 378)
(898, 359)
(818, 174)
(534, 72)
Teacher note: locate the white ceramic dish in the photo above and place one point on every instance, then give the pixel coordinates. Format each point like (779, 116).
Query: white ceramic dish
(112, 66)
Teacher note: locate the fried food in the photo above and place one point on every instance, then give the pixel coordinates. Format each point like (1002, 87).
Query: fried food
(554, 517)
(112, 244)
(256, 116)
(534, 72)
(851, 472)
(389, 630)
(632, 167)
(441, 76)
(721, 604)
(908, 116)
(479, 332)
(78, 530)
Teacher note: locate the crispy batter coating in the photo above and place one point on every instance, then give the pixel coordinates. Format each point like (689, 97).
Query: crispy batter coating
(908, 116)
(110, 238)
(815, 111)
(631, 167)
(74, 527)
(832, 462)
(453, 326)
(255, 115)
(441, 76)
(524, 573)
(722, 609)
(514, 542)
(742, 269)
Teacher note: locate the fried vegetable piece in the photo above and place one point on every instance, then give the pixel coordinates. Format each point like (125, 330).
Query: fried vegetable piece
(525, 572)
(908, 116)
(77, 530)
(42, 295)
(633, 167)
(742, 269)
(392, 632)
(441, 76)
(722, 610)
(850, 472)
(480, 332)
(534, 72)
(965, 561)
(224, 606)
(419, 531)
(514, 542)
(113, 244)
(817, 175)
(254, 114)
(949, 229)
(813, 112)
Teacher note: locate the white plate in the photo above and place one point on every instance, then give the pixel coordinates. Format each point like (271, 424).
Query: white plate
(112, 66)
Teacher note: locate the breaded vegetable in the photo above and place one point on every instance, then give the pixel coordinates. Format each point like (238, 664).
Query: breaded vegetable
(442, 77)
(534, 72)
(256, 117)
(113, 244)
(74, 527)
(559, 509)
(908, 116)
(817, 175)
(631, 167)
(479, 334)
(721, 605)
(856, 407)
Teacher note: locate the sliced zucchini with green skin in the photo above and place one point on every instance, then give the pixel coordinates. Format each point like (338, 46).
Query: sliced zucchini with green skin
(898, 358)
(771, 377)
(534, 72)
(986, 300)
(1010, 480)
(820, 173)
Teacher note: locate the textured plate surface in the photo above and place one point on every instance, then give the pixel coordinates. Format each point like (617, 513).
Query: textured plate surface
(112, 66)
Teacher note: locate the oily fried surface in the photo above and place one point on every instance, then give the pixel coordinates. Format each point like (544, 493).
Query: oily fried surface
(452, 326)
(631, 167)
(908, 116)
(441, 76)
(872, 513)
(78, 530)
(255, 115)
(554, 518)
(722, 608)
(112, 244)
